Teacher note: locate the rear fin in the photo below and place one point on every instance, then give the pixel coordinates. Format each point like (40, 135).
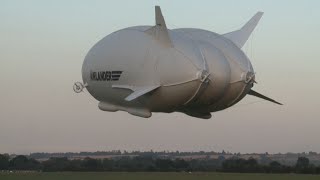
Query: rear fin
(137, 90)
(160, 31)
(240, 37)
(159, 17)
(254, 93)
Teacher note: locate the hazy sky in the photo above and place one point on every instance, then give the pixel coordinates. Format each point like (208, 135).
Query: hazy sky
(43, 44)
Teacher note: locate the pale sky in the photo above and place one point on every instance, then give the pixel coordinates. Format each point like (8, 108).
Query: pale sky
(43, 44)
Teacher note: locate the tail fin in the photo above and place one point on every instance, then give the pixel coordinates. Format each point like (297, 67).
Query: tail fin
(160, 31)
(241, 36)
(254, 93)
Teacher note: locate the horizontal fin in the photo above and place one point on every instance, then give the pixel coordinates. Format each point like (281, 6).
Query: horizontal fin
(137, 91)
(241, 36)
(160, 31)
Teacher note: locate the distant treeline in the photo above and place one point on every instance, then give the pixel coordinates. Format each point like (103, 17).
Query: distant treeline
(150, 164)
(43, 155)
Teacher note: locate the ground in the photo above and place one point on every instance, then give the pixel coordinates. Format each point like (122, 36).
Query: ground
(147, 176)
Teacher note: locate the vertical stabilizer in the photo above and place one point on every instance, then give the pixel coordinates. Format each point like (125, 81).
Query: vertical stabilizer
(160, 31)
(159, 17)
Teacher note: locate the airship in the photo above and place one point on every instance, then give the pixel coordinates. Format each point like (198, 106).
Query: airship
(145, 69)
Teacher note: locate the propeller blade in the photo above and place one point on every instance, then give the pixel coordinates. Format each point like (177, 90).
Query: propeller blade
(254, 93)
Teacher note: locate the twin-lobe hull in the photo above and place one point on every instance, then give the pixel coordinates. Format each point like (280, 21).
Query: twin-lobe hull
(145, 69)
(190, 75)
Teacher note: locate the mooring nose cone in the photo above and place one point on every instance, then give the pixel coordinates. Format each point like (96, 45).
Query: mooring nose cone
(78, 87)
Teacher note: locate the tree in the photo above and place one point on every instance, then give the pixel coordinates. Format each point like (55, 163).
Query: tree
(302, 162)
(275, 167)
(181, 165)
(90, 164)
(241, 165)
(23, 163)
(108, 164)
(303, 165)
(56, 164)
(164, 165)
(19, 162)
(4, 162)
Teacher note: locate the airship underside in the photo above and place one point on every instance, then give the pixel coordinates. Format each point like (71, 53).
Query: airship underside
(145, 69)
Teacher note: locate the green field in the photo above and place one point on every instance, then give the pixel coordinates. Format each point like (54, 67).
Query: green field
(148, 176)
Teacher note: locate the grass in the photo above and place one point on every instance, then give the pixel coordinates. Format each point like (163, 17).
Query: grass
(153, 176)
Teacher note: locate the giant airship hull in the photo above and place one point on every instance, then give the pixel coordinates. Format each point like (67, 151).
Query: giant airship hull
(145, 69)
